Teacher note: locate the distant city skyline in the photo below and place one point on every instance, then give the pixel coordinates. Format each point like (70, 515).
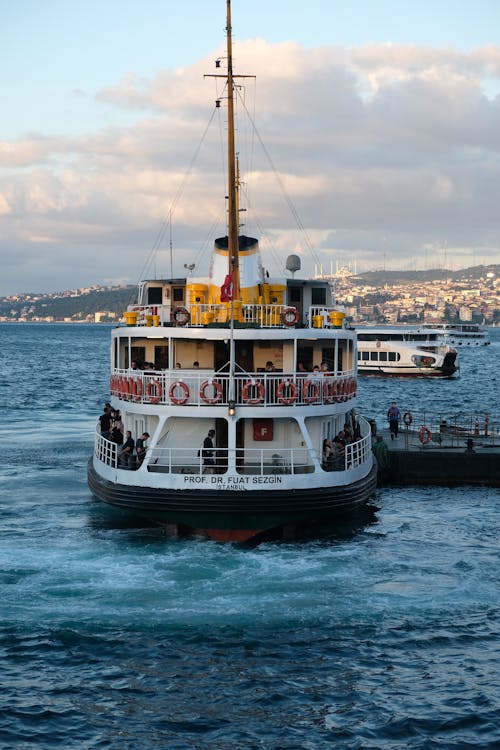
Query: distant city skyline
(384, 127)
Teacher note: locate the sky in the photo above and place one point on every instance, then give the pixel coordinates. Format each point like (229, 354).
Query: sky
(369, 136)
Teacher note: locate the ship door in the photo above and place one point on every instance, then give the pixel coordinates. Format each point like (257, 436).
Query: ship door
(221, 356)
(244, 355)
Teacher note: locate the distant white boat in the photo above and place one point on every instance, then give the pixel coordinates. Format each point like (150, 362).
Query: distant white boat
(460, 334)
(404, 352)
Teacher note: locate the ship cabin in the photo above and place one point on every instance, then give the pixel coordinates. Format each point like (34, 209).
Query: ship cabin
(281, 370)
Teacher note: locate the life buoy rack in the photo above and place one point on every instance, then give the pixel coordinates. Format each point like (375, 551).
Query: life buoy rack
(256, 386)
(289, 387)
(290, 316)
(424, 435)
(178, 400)
(310, 391)
(180, 316)
(154, 391)
(407, 418)
(217, 388)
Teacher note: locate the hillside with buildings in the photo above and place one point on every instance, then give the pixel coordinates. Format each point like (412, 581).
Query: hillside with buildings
(471, 294)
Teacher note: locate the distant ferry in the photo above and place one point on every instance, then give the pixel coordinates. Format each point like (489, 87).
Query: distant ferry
(460, 334)
(404, 352)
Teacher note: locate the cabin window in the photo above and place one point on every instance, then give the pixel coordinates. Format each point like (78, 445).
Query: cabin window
(161, 357)
(155, 295)
(318, 295)
(365, 355)
(374, 356)
(294, 295)
(178, 294)
(383, 356)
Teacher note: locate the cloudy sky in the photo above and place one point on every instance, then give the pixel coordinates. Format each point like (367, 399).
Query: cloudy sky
(371, 134)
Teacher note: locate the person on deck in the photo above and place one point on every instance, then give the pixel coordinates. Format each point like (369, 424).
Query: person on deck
(207, 453)
(140, 448)
(126, 455)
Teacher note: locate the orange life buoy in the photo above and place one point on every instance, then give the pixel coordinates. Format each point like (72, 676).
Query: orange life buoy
(424, 435)
(328, 392)
(153, 391)
(407, 418)
(310, 391)
(217, 391)
(135, 389)
(290, 316)
(249, 386)
(290, 388)
(180, 316)
(185, 392)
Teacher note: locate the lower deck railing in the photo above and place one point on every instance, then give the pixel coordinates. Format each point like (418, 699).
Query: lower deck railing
(244, 461)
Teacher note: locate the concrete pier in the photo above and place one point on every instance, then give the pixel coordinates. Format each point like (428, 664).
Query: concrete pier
(448, 458)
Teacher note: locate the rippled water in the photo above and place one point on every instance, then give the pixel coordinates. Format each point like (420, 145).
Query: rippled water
(384, 635)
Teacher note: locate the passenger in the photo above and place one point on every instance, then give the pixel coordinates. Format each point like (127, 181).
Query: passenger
(324, 367)
(328, 454)
(393, 417)
(140, 448)
(134, 365)
(196, 364)
(269, 366)
(105, 422)
(301, 370)
(126, 455)
(207, 453)
(177, 365)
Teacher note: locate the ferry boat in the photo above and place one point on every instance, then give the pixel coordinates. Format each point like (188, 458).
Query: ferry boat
(404, 352)
(219, 373)
(460, 334)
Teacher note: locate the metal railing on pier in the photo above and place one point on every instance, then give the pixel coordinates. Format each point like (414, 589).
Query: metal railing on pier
(452, 430)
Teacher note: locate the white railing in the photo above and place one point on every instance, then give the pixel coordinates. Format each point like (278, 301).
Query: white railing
(206, 388)
(252, 461)
(105, 450)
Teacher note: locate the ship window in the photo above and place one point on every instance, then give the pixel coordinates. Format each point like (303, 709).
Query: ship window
(374, 356)
(155, 295)
(365, 355)
(392, 356)
(318, 296)
(294, 294)
(178, 294)
(383, 356)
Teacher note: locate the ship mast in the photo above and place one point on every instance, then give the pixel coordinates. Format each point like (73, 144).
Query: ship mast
(233, 219)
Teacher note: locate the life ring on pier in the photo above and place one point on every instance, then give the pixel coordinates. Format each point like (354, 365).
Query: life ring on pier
(287, 386)
(424, 435)
(290, 316)
(217, 391)
(407, 418)
(250, 386)
(310, 391)
(185, 393)
(153, 391)
(180, 316)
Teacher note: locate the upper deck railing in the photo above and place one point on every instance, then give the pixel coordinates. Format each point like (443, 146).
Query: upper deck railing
(251, 315)
(206, 388)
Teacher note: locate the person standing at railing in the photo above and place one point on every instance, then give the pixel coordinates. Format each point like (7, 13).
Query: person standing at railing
(207, 453)
(105, 422)
(140, 448)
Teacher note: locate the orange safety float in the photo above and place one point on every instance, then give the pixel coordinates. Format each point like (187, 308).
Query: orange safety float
(253, 385)
(310, 391)
(329, 392)
(176, 399)
(180, 316)
(135, 389)
(424, 435)
(290, 316)
(287, 386)
(217, 391)
(407, 418)
(153, 391)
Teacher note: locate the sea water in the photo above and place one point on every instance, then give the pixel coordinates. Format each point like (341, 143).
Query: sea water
(382, 635)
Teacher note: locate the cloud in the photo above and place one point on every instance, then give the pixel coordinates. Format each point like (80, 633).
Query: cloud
(384, 146)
